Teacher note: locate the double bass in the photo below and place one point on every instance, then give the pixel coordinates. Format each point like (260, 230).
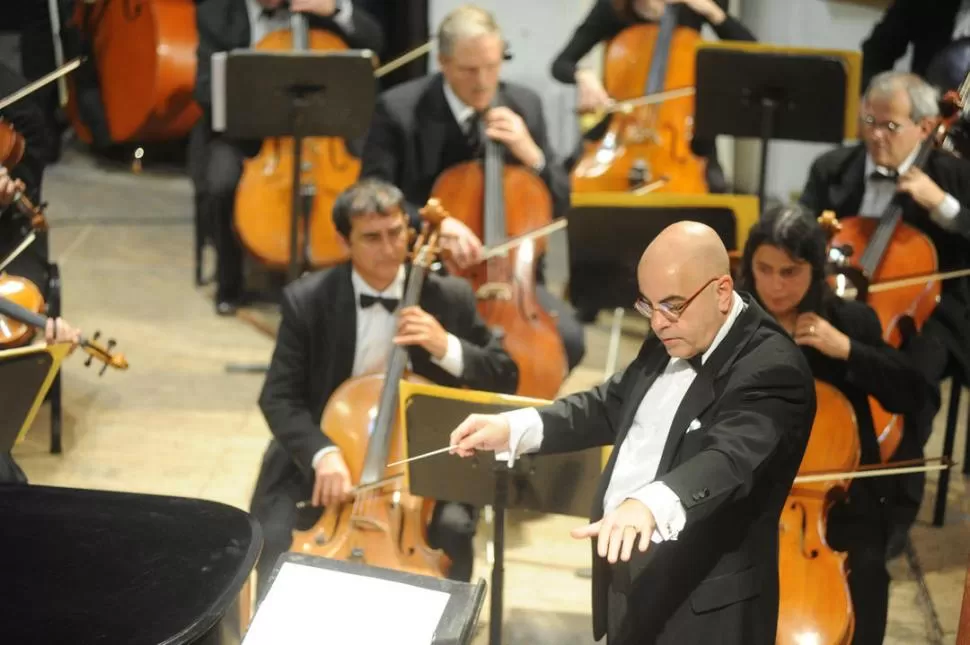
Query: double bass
(384, 525)
(498, 201)
(647, 142)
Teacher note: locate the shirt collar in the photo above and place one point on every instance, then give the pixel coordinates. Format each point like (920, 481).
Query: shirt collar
(737, 306)
(459, 109)
(394, 290)
(871, 166)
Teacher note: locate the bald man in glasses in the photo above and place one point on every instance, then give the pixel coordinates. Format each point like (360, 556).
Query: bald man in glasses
(709, 424)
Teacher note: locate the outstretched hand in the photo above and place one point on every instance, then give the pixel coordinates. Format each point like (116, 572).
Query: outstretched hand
(617, 532)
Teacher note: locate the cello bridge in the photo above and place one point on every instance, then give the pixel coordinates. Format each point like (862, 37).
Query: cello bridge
(494, 291)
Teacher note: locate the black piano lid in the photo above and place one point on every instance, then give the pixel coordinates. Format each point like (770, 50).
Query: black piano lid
(82, 566)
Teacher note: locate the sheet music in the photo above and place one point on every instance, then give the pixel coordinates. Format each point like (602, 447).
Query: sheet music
(306, 602)
(218, 76)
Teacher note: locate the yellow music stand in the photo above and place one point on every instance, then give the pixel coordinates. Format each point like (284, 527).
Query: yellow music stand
(26, 374)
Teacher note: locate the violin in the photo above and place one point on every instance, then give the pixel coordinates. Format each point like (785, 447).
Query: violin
(647, 140)
(814, 601)
(12, 149)
(497, 201)
(383, 525)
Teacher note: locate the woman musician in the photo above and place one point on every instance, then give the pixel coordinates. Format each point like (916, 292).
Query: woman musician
(608, 18)
(783, 268)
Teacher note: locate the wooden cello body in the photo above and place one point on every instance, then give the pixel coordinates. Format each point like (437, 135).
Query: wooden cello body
(496, 202)
(649, 142)
(814, 599)
(263, 211)
(145, 54)
(384, 525)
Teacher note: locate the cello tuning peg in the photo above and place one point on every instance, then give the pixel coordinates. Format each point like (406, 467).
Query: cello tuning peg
(111, 343)
(96, 336)
(103, 369)
(42, 207)
(87, 363)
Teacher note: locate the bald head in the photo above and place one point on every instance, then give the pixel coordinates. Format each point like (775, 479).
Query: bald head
(686, 270)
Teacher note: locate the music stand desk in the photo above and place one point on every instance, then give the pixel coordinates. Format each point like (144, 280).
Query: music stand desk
(26, 374)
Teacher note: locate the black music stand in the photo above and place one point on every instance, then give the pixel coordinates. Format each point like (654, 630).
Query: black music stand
(561, 484)
(770, 94)
(297, 94)
(281, 619)
(27, 374)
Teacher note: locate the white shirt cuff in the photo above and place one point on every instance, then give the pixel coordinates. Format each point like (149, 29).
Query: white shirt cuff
(525, 434)
(453, 361)
(667, 510)
(344, 15)
(320, 453)
(946, 213)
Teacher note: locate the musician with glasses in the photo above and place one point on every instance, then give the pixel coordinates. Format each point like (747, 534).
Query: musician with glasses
(898, 112)
(709, 424)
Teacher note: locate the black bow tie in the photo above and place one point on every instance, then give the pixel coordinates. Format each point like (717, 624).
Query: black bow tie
(892, 175)
(270, 13)
(696, 361)
(368, 301)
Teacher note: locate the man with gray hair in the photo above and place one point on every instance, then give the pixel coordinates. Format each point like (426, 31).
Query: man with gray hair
(423, 127)
(898, 113)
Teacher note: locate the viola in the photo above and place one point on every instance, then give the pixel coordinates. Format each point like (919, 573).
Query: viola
(814, 601)
(497, 201)
(647, 141)
(383, 525)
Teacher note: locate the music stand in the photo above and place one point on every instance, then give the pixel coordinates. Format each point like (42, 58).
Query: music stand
(289, 612)
(770, 92)
(560, 484)
(27, 374)
(608, 233)
(298, 94)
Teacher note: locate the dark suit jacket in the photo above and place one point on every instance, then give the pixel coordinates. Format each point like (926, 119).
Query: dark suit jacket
(314, 355)
(718, 582)
(928, 27)
(223, 25)
(413, 123)
(836, 182)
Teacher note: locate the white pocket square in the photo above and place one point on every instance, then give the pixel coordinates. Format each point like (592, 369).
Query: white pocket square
(694, 425)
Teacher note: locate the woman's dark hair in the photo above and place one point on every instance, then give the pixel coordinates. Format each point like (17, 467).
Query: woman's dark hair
(366, 196)
(793, 229)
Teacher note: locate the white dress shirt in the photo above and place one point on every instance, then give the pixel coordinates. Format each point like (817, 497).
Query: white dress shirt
(879, 192)
(961, 25)
(639, 455)
(260, 24)
(375, 334)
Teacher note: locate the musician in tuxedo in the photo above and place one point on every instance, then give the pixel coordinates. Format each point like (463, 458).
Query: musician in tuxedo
(898, 113)
(929, 29)
(784, 269)
(709, 424)
(339, 324)
(423, 127)
(215, 161)
(605, 20)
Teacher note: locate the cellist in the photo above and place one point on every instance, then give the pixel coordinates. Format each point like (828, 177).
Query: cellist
(423, 127)
(898, 113)
(783, 268)
(215, 162)
(340, 323)
(608, 18)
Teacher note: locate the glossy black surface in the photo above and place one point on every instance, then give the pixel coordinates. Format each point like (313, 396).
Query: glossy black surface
(79, 566)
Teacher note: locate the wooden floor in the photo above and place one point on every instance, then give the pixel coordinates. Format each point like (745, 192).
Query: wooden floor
(177, 423)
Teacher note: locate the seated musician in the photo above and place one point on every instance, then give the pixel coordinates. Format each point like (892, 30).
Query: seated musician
(898, 112)
(784, 270)
(332, 331)
(423, 127)
(608, 18)
(215, 162)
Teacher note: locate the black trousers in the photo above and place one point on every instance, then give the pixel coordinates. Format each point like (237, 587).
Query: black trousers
(215, 166)
(860, 528)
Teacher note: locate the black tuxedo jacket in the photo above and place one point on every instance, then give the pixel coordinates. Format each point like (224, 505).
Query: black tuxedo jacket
(928, 27)
(314, 355)
(718, 581)
(836, 182)
(413, 133)
(223, 25)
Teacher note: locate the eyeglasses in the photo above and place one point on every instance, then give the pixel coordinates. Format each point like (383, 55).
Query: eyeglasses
(671, 312)
(890, 127)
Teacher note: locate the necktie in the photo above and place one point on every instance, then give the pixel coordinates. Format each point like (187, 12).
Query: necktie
(367, 301)
(473, 132)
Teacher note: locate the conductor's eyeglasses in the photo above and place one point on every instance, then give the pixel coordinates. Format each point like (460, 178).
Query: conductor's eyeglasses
(670, 311)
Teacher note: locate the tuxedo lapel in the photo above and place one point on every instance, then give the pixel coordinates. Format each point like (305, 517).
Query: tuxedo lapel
(847, 195)
(434, 123)
(343, 315)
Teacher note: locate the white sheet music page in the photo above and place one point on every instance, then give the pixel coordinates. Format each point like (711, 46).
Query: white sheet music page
(305, 604)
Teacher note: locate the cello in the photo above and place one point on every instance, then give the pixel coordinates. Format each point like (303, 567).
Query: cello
(647, 142)
(383, 525)
(814, 601)
(497, 201)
